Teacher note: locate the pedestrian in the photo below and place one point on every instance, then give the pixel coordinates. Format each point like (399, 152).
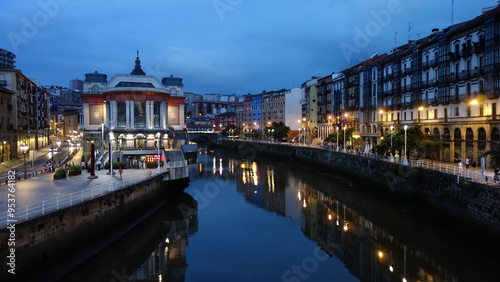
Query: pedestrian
(467, 163)
(474, 164)
(99, 164)
(120, 171)
(459, 166)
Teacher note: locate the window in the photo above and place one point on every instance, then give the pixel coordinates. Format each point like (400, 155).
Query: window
(468, 111)
(457, 112)
(121, 115)
(435, 113)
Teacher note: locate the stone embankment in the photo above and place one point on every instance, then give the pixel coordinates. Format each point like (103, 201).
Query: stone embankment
(448, 198)
(43, 238)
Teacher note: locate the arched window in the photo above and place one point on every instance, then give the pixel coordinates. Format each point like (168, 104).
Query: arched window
(469, 137)
(495, 137)
(427, 131)
(446, 135)
(457, 135)
(481, 139)
(436, 132)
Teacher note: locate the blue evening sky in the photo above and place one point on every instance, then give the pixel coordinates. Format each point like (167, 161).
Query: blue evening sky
(216, 46)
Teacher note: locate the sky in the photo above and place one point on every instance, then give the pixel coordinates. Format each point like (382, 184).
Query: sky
(215, 46)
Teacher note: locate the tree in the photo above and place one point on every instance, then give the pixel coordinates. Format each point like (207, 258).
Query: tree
(227, 131)
(494, 154)
(279, 130)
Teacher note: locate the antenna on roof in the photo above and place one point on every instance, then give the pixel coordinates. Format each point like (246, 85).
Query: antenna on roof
(395, 39)
(409, 28)
(451, 12)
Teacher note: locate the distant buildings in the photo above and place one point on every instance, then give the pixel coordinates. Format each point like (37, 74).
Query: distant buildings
(24, 110)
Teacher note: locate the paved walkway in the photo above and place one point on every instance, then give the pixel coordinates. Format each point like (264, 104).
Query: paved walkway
(42, 188)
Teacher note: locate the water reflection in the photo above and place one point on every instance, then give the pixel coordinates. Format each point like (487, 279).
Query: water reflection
(155, 250)
(376, 240)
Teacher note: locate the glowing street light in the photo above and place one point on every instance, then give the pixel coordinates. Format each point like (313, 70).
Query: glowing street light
(159, 139)
(24, 149)
(337, 138)
(58, 149)
(345, 150)
(391, 156)
(405, 160)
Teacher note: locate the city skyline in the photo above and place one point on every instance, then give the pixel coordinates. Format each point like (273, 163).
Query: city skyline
(220, 46)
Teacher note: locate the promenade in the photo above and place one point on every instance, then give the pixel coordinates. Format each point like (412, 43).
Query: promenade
(41, 194)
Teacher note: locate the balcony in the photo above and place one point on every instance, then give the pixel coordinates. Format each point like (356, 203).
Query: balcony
(478, 47)
(466, 51)
(453, 56)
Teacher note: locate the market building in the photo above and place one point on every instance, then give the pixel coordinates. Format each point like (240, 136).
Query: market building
(136, 114)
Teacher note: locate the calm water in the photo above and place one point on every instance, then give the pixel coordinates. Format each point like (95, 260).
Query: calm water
(266, 220)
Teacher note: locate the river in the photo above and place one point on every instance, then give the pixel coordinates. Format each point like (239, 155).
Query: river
(261, 219)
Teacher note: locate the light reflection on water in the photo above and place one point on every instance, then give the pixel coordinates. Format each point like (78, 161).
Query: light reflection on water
(263, 220)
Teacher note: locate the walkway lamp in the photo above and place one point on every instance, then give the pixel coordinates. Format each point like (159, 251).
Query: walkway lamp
(391, 157)
(345, 150)
(24, 148)
(158, 167)
(58, 147)
(338, 128)
(405, 160)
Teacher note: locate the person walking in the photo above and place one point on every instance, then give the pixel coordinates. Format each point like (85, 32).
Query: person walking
(467, 163)
(460, 166)
(120, 171)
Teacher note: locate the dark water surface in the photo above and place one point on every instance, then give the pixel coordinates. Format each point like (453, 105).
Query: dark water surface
(266, 220)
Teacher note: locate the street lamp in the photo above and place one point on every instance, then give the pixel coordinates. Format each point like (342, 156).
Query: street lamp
(405, 160)
(391, 156)
(345, 127)
(158, 168)
(338, 138)
(58, 147)
(24, 148)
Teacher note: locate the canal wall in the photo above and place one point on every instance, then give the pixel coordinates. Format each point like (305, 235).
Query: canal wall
(46, 237)
(445, 197)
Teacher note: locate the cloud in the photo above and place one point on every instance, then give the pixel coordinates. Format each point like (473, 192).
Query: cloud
(248, 47)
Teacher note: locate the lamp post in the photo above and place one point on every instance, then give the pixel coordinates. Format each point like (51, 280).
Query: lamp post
(304, 129)
(345, 150)
(338, 138)
(391, 157)
(24, 148)
(58, 147)
(158, 168)
(405, 160)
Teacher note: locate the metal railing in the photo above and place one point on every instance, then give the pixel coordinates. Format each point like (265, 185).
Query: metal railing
(468, 174)
(20, 214)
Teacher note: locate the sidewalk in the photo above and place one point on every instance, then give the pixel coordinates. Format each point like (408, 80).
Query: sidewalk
(42, 188)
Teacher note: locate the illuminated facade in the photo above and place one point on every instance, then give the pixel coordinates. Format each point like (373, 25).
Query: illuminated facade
(134, 109)
(446, 83)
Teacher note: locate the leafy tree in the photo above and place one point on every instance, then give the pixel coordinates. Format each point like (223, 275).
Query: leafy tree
(494, 154)
(279, 130)
(416, 140)
(227, 131)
